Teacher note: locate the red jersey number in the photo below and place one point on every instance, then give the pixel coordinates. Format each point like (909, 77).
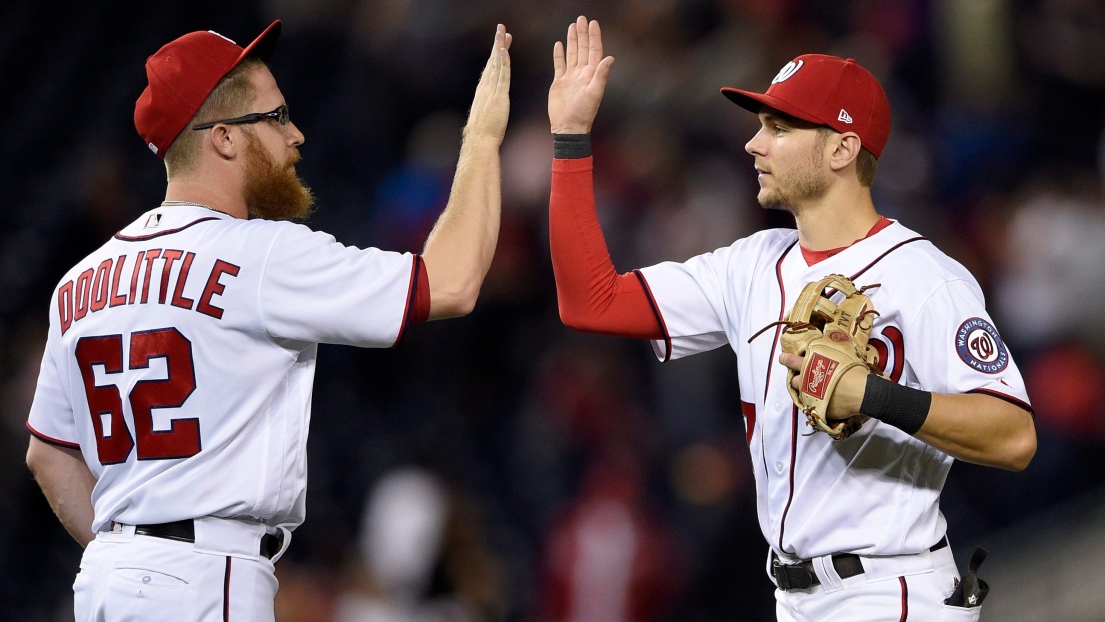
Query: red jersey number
(890, 346)
(113, 439)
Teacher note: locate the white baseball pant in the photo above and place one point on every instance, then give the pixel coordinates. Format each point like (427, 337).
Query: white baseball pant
(903, 588)
(126, 577)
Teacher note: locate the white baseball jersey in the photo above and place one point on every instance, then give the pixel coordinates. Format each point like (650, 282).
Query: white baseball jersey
(181, 359)
(877, 492)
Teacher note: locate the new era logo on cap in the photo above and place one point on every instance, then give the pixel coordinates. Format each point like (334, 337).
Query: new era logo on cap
(826, 90)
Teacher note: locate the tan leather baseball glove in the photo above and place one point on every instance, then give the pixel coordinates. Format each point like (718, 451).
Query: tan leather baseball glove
(833, 338)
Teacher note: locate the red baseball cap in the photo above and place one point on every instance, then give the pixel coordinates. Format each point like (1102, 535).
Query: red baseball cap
(182, 74)
(826, 90)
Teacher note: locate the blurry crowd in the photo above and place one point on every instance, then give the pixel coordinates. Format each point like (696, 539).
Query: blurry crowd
(501, 467)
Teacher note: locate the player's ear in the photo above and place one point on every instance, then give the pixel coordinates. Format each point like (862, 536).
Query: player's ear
(846, 148)
(225, 141)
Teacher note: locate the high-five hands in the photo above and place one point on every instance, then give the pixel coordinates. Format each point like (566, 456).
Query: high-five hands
(579, 79)
(491, 103)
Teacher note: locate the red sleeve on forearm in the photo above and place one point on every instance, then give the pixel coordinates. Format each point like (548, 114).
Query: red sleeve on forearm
(592, 296)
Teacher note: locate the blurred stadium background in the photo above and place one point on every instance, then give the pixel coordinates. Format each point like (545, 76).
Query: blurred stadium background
(501, 467)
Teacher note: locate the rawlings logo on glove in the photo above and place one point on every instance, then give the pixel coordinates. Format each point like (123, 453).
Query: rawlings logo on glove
(833, 338)
(819, 369)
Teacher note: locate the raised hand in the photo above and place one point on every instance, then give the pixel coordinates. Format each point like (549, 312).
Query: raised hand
(491, 103)
(579, 79)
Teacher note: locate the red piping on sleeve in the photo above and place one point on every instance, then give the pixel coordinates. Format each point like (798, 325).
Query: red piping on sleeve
(1008, 398)
(420, 310)
(418, 298)
(592, 296)
(659, 316)
(53, 441)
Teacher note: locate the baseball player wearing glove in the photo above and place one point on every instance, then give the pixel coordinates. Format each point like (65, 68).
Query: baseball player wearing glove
(832, 339)
(170, 418)
(879, 365)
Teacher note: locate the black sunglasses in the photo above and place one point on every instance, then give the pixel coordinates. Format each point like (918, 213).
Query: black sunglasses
(280, 114)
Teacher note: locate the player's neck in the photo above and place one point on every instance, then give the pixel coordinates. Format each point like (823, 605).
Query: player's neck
(204, 194)
(842, 216)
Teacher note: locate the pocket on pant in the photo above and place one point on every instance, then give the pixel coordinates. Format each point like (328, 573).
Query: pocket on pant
(138, 592)
(949, 613)
(150, 576)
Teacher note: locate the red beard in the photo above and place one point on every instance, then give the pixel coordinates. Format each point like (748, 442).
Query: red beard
(274, 192)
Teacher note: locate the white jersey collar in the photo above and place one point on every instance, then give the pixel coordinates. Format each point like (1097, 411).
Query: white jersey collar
(166, 219)
(855, 259)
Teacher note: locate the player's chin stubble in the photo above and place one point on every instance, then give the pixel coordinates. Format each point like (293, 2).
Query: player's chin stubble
(787, 199)
(272, 191)
(800, 186)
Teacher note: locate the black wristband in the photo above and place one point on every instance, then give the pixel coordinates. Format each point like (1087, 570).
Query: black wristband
(900, 406)
(571, 146)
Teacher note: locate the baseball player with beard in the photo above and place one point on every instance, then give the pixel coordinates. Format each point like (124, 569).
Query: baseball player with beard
(169, 424)
(854, 525)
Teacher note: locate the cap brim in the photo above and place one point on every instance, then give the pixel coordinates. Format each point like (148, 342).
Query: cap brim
(264, 45)
(754, 101)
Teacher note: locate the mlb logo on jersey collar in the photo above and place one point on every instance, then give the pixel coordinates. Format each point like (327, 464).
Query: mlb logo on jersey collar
(153, 221)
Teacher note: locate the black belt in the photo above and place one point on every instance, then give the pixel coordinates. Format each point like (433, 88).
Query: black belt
(185, 531)
(801, 575)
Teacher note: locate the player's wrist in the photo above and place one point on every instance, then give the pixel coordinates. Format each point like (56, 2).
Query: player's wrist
(479, 138)
(903, 407)
(851, 389)
(571, 146)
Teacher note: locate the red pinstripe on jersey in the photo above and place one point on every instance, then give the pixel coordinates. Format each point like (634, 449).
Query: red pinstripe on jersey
(226, 591)
(793, 459)
(905, 600)
(782, 312)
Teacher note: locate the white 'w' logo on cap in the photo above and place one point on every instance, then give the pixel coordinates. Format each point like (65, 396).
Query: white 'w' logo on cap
(787, 71)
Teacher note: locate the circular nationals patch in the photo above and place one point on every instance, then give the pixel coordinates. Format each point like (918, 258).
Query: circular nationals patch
(980, 346)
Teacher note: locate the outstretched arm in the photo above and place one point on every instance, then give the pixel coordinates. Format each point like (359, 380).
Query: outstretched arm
(459, 250)
(973, 427)
(67, 484)
(591, 294)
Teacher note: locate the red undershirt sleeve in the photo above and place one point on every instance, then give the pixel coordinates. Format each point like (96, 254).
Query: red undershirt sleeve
(591, 294)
